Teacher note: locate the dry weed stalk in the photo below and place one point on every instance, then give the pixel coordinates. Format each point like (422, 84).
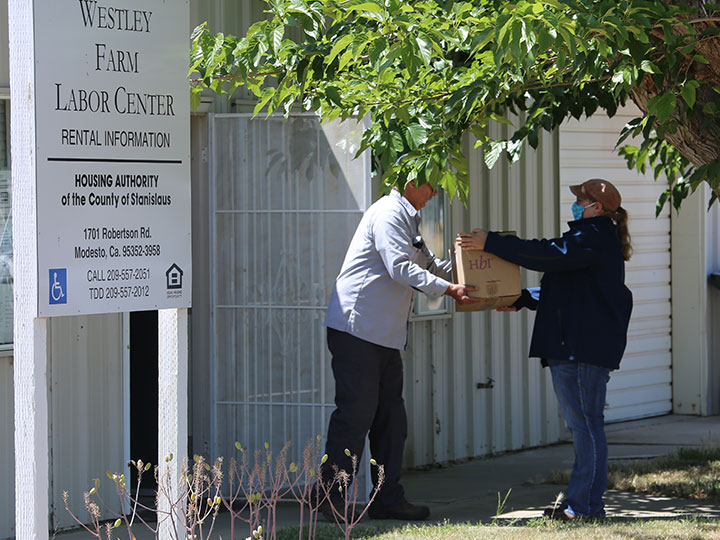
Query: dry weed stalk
(346, 516)
(249, 491)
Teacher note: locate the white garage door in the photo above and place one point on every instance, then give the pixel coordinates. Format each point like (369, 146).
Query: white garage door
(643, 385)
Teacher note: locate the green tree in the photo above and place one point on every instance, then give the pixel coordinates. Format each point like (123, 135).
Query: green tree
(429, 71)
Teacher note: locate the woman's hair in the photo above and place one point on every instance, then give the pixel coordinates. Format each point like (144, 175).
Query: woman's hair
(620, 216)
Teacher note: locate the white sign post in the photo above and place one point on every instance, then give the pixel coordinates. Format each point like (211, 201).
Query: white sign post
(101, 198)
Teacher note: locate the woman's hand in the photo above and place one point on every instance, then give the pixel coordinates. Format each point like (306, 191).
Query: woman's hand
(506, 308)
(474, 240)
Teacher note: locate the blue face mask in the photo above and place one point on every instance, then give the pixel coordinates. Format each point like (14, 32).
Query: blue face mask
(578, 209)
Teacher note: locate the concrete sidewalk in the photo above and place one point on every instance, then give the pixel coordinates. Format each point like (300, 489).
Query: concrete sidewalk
(468, 492)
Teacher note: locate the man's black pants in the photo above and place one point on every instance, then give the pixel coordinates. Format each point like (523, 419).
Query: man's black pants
(368, 400)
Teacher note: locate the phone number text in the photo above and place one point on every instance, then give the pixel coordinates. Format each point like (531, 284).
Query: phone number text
(118, 274)
(129, 291)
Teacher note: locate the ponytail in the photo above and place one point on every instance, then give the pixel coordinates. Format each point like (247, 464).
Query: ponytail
(620, 216)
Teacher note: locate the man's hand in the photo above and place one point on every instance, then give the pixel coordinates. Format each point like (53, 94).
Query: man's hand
(461, 293)
(474, 240)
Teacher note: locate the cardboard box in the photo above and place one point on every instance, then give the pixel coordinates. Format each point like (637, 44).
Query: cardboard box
(497, 281)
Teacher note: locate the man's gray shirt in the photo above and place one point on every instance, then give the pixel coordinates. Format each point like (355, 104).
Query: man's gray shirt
(373, 293)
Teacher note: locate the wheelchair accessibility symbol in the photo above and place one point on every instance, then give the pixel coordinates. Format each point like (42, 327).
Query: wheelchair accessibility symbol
(58, 286)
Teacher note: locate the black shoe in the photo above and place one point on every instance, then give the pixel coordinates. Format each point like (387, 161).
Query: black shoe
(558, 513)
(561, 513)
(326, 509)
(403, 511)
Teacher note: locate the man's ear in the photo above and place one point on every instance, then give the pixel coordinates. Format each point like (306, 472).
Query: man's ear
(409, 188)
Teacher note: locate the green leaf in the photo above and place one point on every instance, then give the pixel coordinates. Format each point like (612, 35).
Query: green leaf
(648, 67)
(417, 135)
(501, 119)
(502, 32)
(366, 6)
(396, 142)
(333, 94)
(266, 96)
(403, 114)
(459, 163)
(569, 40)
(424, 47)
(713, 199)
(492, 152)
(339, 46)
(195, 97)
(662, 106)
(688, 92)
(533, 138)
(661, 200)
(278, 35)
(546, 38)
(378, 48)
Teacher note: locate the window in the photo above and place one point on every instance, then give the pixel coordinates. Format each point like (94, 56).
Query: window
(434, 231)
(6, 254)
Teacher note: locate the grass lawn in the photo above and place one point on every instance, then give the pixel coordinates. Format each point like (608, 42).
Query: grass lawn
(537, 529)
(691, 473)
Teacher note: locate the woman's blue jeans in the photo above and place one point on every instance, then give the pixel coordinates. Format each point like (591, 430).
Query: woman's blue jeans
(580, 390)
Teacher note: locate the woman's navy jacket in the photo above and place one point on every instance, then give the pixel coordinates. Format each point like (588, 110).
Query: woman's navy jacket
(584, 307)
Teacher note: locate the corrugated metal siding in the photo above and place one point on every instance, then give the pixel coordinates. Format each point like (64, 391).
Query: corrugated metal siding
(86, 404)
(450, 418)
(200, 324)
(227, 16)
(7, 448)
(642, 386)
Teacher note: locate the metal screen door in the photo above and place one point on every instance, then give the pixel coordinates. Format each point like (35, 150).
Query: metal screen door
(286, 197)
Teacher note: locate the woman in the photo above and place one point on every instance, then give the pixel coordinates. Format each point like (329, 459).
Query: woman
(583, 311)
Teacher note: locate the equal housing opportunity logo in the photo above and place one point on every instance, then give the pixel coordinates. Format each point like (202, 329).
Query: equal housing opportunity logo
(173, 281)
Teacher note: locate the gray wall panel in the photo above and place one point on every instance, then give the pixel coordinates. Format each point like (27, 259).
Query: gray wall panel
(86, 403)
(4, 53)
(200, 324)
(7, 448)
(86, 415)
(713, 266)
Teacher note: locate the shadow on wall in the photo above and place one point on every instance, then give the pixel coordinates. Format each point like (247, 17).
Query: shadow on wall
(714, 338)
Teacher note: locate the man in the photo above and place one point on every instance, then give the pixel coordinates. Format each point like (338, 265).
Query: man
(367, 324)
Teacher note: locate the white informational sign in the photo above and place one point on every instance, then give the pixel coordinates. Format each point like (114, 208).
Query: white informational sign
(113, 155)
